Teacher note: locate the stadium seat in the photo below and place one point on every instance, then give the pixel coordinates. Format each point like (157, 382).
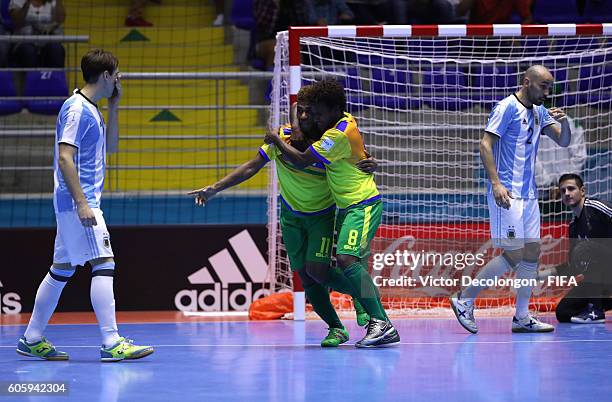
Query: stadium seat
(534, 47)
(5, 17)
(242, 18)
(493, 83)
(579, 45)
(242, 14)
(597, 11)
(45, 84)
(555, 11)
(445, 88)
(594, 85)
(561, 93)
(393, 89)
(7, 89)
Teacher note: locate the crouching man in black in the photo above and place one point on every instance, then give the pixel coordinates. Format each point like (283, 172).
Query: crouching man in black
(590, 233)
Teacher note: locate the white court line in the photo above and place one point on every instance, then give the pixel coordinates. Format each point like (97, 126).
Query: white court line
(215, 345)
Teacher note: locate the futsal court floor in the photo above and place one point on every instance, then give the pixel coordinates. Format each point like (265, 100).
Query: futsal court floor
(199, 359)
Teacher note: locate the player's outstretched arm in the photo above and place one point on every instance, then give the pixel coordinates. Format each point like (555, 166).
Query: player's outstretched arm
(562, 134)
(71, 177)
(237, 176)
(501, 193)
(300, 159)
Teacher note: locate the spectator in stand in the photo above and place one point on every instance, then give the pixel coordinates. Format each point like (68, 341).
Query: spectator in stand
(38, 17)
(220, 13)
(500, 12)
(135, 17)
(329, 12)
(272, 16)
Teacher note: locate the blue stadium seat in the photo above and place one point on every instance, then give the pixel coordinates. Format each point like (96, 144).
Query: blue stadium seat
(561, 94)
(45, 83)
(445, 88)
(493, 83)
(534, 47)
(242, 18)
(394, 89)
(579, 45)
(597, 11)
(594, 84)
(7, 89)
(242, 14)
(555, 11)
(5, 17)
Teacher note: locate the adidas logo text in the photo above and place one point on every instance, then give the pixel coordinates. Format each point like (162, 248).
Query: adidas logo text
(233, 290)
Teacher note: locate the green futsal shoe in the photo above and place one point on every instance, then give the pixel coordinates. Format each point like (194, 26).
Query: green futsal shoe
(335, 337)
(42, 349)
(124, 349)
(363, 318)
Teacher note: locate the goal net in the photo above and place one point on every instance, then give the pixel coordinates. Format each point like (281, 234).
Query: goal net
(421, 96)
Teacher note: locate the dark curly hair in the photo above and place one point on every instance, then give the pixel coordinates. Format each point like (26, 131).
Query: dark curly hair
(327, 91)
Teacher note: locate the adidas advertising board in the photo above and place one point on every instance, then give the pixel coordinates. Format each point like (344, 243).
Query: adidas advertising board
(165, 267)
(9, 301)
(229, 288)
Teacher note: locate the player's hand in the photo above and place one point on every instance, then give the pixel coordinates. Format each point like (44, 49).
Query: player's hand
(296, 132)
(86, 215)
(557, 114)
(367, 165)
(203, 195)
(502, 196)
(113, 101)
(271, 137)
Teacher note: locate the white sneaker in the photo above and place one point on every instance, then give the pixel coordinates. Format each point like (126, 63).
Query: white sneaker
(464, 311)
(218, 21)
(530, 324)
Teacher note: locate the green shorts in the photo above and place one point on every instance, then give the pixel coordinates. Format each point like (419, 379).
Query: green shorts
(307, 238)
(356, 227)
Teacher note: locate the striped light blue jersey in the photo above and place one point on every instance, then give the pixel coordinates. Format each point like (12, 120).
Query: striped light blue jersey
(518, 129)
(80, 124)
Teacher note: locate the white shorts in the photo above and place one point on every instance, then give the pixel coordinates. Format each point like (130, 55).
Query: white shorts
(512, 228)
(77, 244)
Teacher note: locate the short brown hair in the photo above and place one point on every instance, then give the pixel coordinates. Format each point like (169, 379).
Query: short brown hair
(95, 62)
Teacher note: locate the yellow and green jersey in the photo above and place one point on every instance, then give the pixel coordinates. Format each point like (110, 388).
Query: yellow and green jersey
(304, 191)
(340, 148)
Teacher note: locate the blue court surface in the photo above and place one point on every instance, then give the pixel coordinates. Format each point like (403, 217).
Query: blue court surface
(282, 361)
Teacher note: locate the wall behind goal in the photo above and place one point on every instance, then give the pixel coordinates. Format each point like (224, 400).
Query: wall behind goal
(177, 132)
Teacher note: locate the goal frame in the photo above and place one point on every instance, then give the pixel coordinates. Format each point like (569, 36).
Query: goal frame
(402, 31)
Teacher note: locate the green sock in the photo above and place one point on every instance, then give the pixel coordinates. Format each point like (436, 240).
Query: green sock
(338, 282)
(319, 298)
(366, 291)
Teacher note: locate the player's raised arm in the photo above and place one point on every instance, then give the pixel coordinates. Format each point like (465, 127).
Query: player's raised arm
(501, 193)
(561, 134)
(237, 176)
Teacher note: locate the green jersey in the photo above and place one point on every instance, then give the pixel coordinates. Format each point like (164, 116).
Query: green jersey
(339, 149)
(303, 191)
